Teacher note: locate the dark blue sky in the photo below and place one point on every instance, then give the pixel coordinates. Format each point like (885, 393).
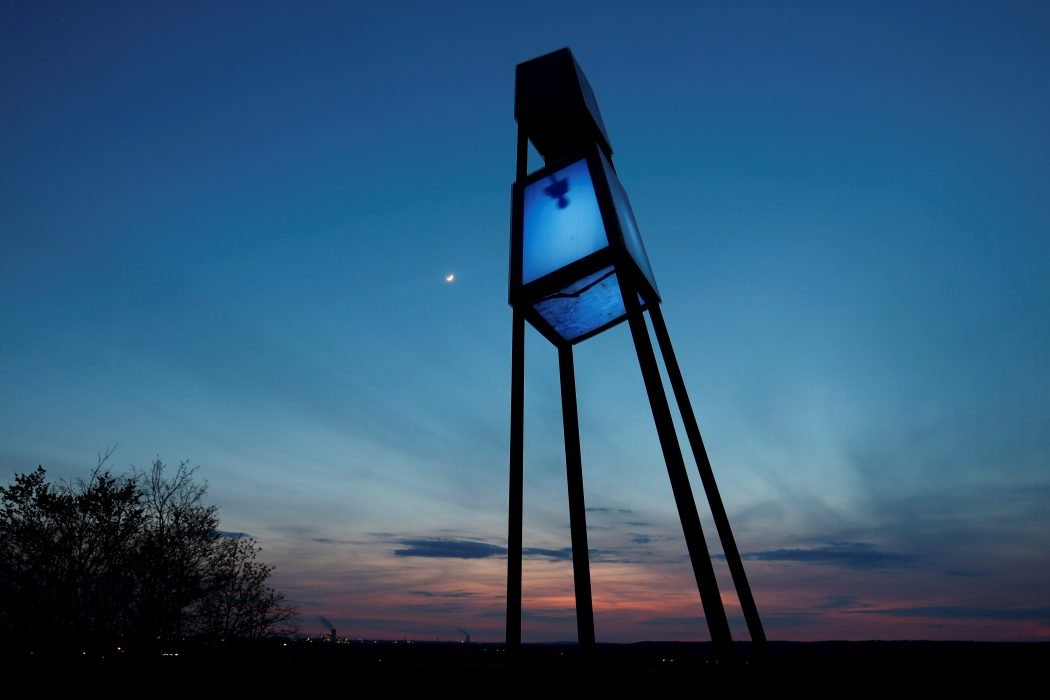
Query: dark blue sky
(224, 233)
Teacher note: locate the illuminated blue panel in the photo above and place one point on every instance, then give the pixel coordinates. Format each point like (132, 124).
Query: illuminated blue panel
(632, 239)
(583, 306)
(562, 222)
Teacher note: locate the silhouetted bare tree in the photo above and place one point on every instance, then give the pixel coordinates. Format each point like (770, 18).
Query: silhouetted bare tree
(176, 549)
(125, 559)
(33, 570)
(237, 602)
(67, 557)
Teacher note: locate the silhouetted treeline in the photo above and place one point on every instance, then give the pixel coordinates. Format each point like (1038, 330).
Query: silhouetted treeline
(125, 561)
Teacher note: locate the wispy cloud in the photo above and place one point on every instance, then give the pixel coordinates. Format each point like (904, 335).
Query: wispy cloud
(452, 548)
(445, 594)
(597, 555)
(556, 554)
(433, 608)
(840, 602)
(457, 548)
(448, 548)
(233, 535)
(852, 555)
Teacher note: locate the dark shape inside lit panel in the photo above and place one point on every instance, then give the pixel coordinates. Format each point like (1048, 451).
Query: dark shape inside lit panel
(562, 222)
(632, 238)
(584, 306)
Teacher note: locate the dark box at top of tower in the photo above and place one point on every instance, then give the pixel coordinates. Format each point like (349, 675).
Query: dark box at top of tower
(554, 103)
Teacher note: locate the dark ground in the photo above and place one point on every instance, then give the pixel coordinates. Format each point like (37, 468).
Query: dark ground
(316, 666)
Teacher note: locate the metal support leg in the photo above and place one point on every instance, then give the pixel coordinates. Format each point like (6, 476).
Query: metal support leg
(703, 570)
(581, 571)
(517, 475)
(707, 477)
(517, 445)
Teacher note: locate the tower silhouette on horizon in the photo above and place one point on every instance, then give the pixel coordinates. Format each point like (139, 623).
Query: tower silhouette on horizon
(577, 268)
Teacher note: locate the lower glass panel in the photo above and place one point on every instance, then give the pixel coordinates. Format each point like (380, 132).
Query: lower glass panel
(583, 306)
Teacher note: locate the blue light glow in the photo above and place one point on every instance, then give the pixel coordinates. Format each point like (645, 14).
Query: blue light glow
(632, 238)
(562, 222)
(584, 306)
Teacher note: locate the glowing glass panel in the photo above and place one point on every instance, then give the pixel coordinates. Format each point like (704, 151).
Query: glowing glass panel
(584, 306)
(632, 239)
(562, 222)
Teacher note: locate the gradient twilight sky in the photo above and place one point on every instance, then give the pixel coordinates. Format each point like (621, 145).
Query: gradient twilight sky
(224, 232)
